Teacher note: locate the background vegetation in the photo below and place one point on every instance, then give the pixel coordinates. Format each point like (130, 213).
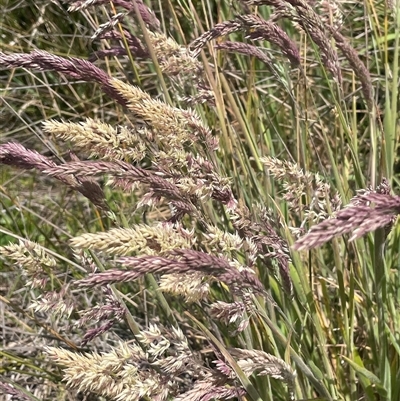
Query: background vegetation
(296, 143)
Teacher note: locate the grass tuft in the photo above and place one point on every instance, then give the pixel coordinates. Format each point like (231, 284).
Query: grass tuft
(198, 200)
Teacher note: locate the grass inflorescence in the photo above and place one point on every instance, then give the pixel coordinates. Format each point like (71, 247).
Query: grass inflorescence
(198, 200)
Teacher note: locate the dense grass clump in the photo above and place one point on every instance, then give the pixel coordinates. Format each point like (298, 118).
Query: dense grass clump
(197, 200)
